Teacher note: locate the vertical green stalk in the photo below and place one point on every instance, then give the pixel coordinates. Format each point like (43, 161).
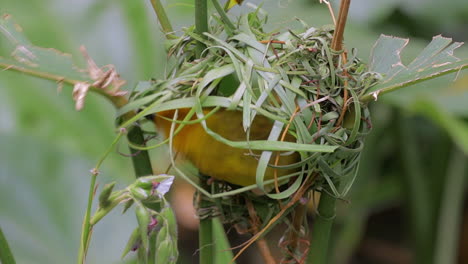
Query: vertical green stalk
(163, 19)
(142, 167)
(87, 227)
(228, 25)
(201, 22)
(420, 209)
(448, 226)
(222, 254)
(6, 257)
(140, 158)
(205, 241)
(321, 228)
(205, 231)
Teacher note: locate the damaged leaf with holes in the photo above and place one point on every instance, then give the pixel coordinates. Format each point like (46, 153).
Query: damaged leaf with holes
(435, 60)
(54, 65)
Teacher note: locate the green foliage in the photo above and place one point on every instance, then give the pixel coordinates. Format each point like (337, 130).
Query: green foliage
(155, 238)
(435, 60)
(41, 157)
(301, 69)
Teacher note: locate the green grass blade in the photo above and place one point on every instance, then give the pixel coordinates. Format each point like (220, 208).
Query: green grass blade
(449, 222)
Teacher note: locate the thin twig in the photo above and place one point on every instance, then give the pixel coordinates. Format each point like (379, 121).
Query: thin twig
(298, 195)
(261, 242)
(330, 9)
(322, 226)
(345, 94)
(117, 101)
(337, 45)
(337, 41)
(294, 235)
(283, 136)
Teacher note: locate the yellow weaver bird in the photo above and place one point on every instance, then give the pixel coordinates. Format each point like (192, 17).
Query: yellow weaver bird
(216, 159)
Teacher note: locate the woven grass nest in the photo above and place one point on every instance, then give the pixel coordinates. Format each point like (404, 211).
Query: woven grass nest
(295, 80)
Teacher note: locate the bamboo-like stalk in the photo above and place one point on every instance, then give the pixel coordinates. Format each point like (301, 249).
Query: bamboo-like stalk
(201, 22)
(450, 212)
(420, 211)
(205, 233)
(140, 158)
(321, 229)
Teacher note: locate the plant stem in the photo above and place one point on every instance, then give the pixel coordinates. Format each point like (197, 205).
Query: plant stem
(337, 41)
(142, 167)
(6, 256)
(420, 210)
(103, 212)
(117, 101)
(229, 26)
(222, 246)
(448, 229)
(205, 241)
(337, 45)
(205, 231)
(297, 222)
(140, 158)
(201, 22)
(87, 227)
(262, 244)
(321, 228)
(163, 19)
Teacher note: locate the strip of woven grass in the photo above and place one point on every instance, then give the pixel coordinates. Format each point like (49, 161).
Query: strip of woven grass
(292, 78)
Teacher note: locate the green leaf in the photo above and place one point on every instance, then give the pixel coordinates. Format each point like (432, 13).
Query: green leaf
(143, 217)
(168, 214)
(215, 74)
(435, 60)
(104, 200)
(132, 241)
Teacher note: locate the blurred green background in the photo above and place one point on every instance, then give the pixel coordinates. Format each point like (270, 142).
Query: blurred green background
(408, 204)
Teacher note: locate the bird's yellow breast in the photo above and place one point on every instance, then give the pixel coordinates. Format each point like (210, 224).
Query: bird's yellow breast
(216, 159)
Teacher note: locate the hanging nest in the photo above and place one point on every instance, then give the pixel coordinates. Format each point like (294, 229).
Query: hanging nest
(308, 92)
